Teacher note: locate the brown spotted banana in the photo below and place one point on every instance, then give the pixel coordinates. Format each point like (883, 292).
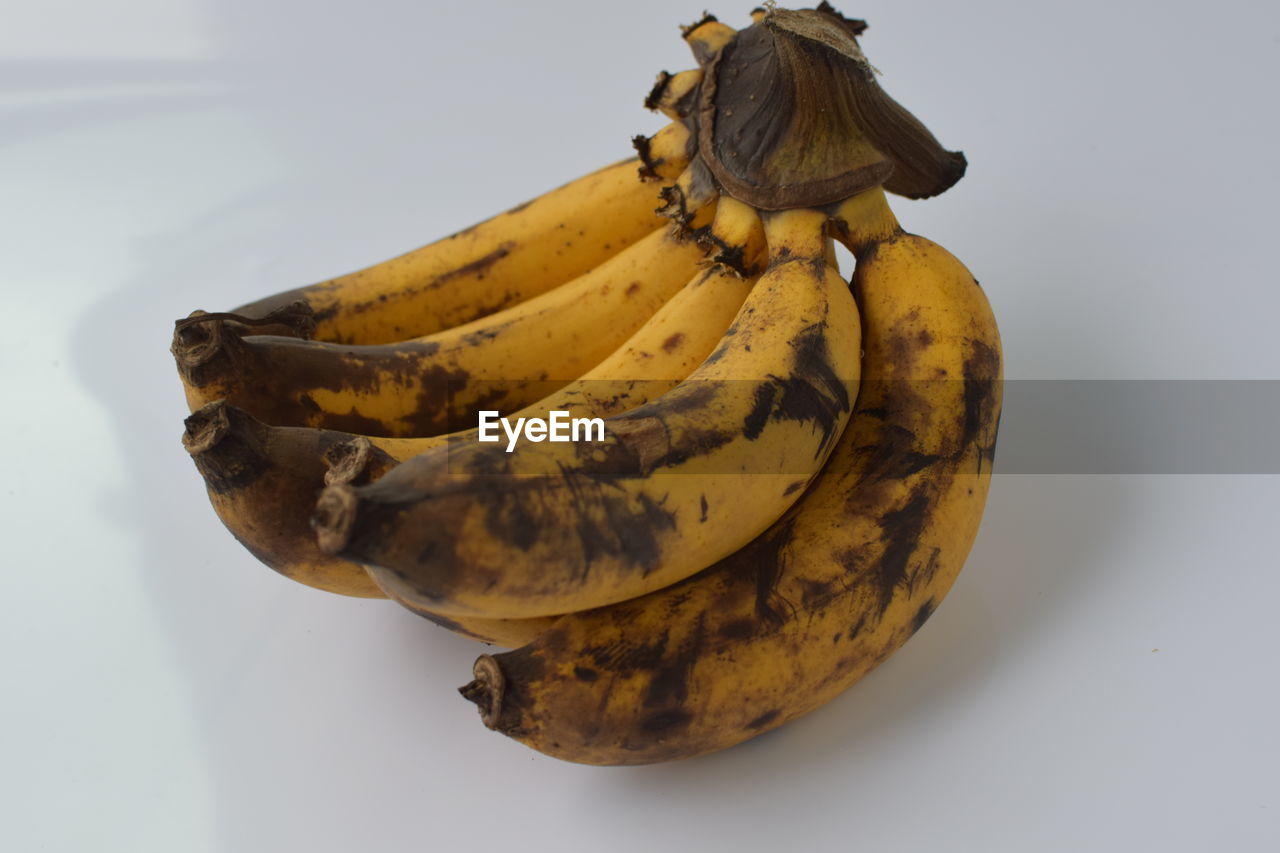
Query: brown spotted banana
(674, 485)
(514, 256)
(263, 480)
(832, 588)
(438, 383)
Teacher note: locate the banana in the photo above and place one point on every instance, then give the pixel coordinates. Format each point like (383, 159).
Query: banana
(256, 474)
(744, 542)
(263, 480)
(431, 385)
(675, 485)
(498, 263)
(832, 589)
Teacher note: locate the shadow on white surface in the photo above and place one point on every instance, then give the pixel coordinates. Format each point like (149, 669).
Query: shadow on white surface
(34, 121)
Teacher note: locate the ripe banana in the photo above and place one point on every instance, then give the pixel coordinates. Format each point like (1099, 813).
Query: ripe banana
(677, 483)
(746, 540)
(437, 384)
(263, 480)
(832, 589)
(498, 263)
(255, 474)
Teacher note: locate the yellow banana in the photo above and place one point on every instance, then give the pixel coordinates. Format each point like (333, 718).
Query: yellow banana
(675, 485)
(831, 590)
(493, 265)
(438, 383)
(727, 555)
(263, 480)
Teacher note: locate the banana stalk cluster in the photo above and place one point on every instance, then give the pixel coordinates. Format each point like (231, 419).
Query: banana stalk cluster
(793, 465)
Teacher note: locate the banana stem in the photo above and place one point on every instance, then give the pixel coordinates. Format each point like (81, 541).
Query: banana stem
(706, 37)
(863, 219)
(664, 155)
(796, 233)
(486, 689)
(355, 461)
(671, 94)
(334, 517)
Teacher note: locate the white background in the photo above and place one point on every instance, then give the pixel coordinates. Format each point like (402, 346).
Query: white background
(1103, 676)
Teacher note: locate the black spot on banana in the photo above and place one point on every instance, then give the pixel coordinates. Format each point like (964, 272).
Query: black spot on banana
(439, 383)
(677, 483)
(262, 482)
(514, 256)
(843, 579)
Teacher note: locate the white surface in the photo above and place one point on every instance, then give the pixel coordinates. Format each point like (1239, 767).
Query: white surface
(1103, 676)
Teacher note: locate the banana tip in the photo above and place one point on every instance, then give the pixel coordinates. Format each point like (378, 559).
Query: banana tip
(206, 427)
(347, 461)
(197, 340)
(334, 517)
(486, 689)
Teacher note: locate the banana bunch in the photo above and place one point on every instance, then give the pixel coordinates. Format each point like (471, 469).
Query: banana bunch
(788, 468)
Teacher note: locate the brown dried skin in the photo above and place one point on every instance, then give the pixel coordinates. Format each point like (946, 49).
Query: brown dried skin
(831, 590)
(677, 483)
(790, 115)
(263, 482)
(496, 264)
(439, 383)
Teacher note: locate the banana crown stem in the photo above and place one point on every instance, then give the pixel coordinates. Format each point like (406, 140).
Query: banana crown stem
(864, 218)
(797, 233)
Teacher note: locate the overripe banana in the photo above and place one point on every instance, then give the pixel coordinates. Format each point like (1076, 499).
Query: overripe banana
(755, 530)
(257, 477)
(263, 480)
(438, 383)
(675, 485)
(832, 589)
(514, 256)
